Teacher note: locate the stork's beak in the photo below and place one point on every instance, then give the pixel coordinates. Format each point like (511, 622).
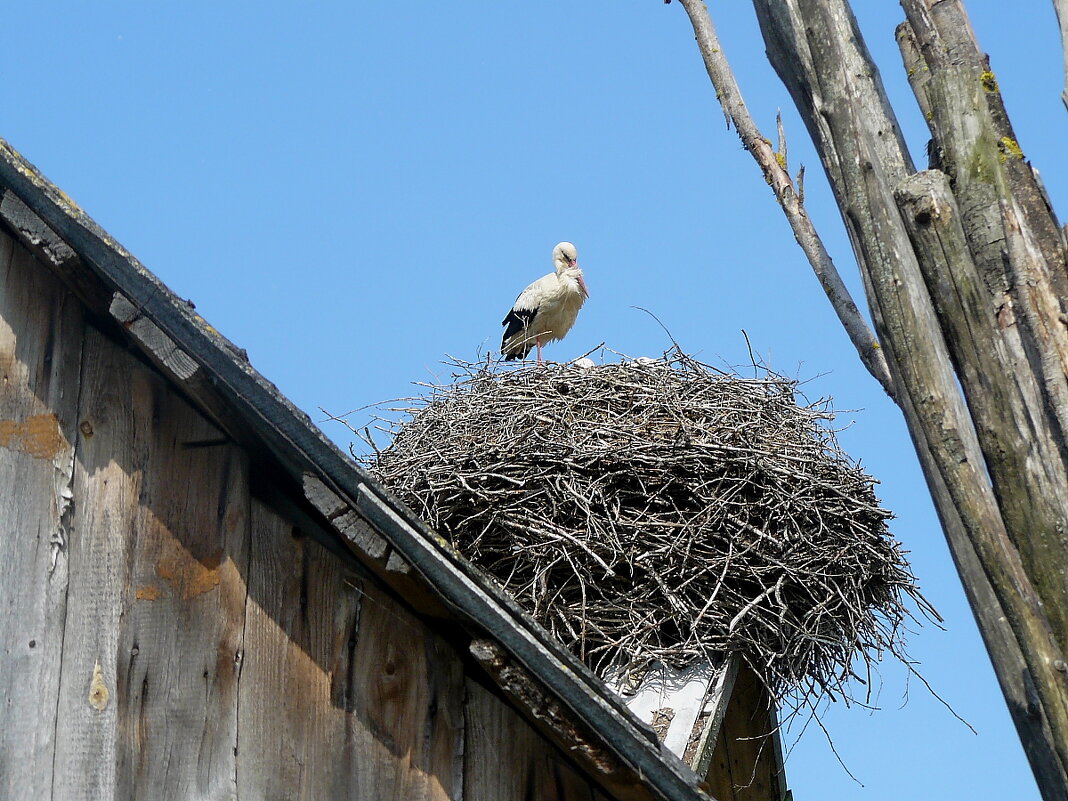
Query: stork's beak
(582, 283)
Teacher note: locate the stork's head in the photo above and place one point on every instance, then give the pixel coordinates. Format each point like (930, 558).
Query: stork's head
(565, 256)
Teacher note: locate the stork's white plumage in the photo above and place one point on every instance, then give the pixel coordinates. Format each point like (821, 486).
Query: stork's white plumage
(546, 310)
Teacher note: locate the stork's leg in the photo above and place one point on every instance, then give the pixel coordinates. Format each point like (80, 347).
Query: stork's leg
(539, 349)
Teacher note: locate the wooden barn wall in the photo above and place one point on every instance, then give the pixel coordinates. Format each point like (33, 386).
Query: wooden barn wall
(165, 635)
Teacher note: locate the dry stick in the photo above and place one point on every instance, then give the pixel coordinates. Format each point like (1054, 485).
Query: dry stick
(1061, 6)
(777, 176)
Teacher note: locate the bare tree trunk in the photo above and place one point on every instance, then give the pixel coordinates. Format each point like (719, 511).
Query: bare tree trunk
(964, 285)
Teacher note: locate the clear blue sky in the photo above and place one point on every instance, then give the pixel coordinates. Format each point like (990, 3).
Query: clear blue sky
(352, 190)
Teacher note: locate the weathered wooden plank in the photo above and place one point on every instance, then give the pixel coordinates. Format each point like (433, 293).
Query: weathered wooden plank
(50, 249)
(40, 344)
(720, 692)
(405, 702)
(300, 612)
(344, 694)
(747, 762)
(148, 696)
(384, 562)
(548, 717)
(506, 759)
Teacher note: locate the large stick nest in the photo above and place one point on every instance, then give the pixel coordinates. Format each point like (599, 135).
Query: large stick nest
(660, 510)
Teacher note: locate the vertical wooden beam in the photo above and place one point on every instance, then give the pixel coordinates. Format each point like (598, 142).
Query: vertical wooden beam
(404, 700)
(299, 613)
(747, 762)
(343, 693)
(40, 345)
(148, 696)
(506, 759)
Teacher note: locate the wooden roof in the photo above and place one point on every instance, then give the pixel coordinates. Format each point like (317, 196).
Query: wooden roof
(340, 505)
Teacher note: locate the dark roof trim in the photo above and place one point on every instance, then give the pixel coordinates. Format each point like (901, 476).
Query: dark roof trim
(184, 344)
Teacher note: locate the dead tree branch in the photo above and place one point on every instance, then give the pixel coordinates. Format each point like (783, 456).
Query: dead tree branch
(996, 466)
(1061, 6)
(775, 171)
(930, 212)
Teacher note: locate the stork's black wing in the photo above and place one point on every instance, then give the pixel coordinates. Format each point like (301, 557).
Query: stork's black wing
(516, 321)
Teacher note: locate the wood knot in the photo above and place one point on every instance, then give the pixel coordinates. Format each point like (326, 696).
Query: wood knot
(98, 690)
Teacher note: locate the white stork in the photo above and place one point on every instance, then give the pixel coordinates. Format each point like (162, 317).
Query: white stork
(546, 309)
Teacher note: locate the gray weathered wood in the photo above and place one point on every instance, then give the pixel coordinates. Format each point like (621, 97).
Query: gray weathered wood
(1016, 245)
(547, 715)
(345, 519)
(894, 285)
(404, 708)
(148, 698)
(40, 344)
(300, 614)
(174, 362)
(384, 562)
(998, 405)
(1011, 668)
(969, 121)
(747, 762)
(47, 245)
(816, 48)
(344, 694)
(1061, 7)
(531, 770)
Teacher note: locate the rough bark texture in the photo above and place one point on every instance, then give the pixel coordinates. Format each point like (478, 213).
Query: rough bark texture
(1010, 303)
(930, 212)
(966, 281)
(938, 421)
